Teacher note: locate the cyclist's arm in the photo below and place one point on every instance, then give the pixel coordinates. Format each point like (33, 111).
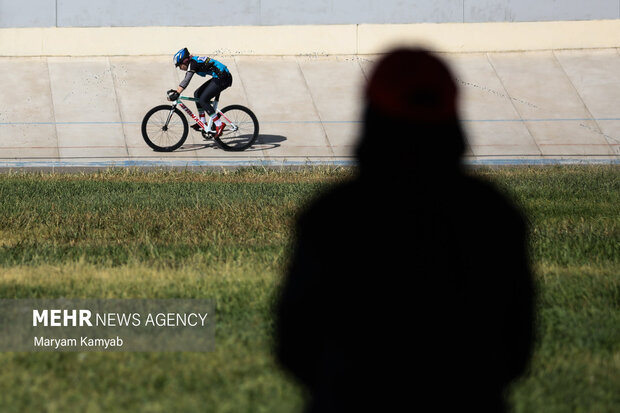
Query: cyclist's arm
(185, 82)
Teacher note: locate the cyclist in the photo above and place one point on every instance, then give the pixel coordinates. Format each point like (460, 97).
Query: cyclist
(220, 80)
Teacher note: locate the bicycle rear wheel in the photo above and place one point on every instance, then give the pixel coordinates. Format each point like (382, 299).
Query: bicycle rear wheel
(164, 128)
(241, 128)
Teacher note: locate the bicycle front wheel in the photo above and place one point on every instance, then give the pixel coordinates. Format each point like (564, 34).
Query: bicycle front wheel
(241, 128)
(164, 128)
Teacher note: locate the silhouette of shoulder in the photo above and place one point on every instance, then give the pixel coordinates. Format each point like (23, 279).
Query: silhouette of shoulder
(429, 282)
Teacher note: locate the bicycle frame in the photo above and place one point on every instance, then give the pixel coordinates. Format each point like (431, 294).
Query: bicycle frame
(187, 110)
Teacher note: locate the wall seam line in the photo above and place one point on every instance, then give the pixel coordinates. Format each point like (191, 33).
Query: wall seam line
(314, 105)
(118, 103)
(512, 102)
(49, 77)
(583, 102)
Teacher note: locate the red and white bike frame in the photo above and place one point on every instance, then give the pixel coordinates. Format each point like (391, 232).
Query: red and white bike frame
(206, 128)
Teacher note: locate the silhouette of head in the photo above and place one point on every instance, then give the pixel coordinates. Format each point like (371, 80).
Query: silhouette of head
(411, 113)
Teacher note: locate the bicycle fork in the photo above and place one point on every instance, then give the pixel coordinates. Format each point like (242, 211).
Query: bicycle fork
(165, 127)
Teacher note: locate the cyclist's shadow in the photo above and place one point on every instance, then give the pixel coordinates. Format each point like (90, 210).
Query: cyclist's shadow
(263, 143)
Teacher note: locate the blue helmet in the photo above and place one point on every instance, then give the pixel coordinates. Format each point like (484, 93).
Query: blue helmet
(180, 56)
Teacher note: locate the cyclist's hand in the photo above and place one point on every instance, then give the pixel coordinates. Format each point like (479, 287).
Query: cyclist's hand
(172, 95)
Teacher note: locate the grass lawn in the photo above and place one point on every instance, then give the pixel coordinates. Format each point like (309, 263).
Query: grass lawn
(226, 236)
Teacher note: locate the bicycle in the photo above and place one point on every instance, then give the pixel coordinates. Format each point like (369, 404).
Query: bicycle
(165, 129)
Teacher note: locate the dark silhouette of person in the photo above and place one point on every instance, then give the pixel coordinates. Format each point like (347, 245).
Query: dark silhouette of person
(409, 287)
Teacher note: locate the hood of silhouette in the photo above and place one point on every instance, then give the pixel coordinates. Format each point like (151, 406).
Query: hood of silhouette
(411, 118)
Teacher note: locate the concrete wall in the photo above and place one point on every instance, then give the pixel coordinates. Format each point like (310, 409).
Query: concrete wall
(351, 39)
(131, 13)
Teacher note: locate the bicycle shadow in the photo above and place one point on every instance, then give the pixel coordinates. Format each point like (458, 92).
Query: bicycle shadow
(263, 143)
(189, 147)
(267, 142)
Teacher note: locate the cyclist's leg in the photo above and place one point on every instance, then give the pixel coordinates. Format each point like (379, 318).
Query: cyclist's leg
(211, 89)
(197, 93)
(201, 110)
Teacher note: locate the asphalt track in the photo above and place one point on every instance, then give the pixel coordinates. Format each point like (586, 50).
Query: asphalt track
(549, 107)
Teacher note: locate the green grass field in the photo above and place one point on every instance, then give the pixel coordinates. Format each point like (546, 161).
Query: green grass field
(226, 236)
